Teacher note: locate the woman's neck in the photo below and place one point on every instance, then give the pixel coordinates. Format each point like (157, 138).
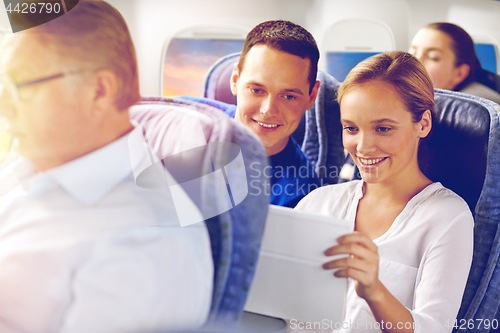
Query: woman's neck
(399, 189)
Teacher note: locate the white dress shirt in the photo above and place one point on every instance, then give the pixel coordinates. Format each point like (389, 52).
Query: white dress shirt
(84, 249)
(425, 256)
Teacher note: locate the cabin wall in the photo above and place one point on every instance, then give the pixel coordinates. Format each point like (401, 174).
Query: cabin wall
(477, 17)
(324, 13)
(156, 21)
(153, 22)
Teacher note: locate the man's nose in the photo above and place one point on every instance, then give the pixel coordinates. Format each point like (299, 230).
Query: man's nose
(7, 109)
(270, 106)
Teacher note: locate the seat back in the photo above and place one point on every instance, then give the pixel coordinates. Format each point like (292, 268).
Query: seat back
(211, 174)
(319, 132)
(464, 155)
(489, 79)
(457, 148)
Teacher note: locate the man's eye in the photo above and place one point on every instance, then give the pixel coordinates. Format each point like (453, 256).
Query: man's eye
(289, 97)
(256, 91)
(383, 129)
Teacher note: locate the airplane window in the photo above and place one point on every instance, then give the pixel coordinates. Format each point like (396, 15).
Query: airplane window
(487, 56)
(188, 58)
(339, 64)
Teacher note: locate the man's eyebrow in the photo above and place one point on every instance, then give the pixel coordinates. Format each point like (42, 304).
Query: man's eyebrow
(253, 83)
(295, 91)
(384, 120)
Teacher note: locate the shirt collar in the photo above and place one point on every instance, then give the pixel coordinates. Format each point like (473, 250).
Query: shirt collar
(92, 176)
(19, 172)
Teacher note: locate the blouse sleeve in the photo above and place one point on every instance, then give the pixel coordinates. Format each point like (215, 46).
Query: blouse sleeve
(440, 286)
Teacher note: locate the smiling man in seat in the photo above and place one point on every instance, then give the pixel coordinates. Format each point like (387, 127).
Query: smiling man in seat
(274, 83)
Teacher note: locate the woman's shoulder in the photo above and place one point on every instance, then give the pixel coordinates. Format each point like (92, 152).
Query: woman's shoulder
(443, 195)
(442, 203)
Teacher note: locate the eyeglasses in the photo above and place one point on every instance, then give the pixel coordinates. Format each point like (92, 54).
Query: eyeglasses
(12, 88)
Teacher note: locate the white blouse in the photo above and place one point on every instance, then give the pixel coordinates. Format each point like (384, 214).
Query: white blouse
(425, 256)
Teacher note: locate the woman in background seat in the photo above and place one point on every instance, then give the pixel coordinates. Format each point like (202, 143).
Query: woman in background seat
(409, 257)
(447, 52)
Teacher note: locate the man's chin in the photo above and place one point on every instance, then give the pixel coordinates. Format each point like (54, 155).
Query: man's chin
(274, 147)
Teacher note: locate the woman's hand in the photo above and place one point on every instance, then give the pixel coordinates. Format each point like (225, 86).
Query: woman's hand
(361, 264)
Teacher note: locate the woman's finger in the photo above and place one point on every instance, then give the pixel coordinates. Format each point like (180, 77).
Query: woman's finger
(355, 249)
(358, 238)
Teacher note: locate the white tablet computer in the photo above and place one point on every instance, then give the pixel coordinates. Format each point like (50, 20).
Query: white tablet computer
(289, 281)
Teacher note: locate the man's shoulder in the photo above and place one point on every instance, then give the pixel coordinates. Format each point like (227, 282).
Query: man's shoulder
(293, 176)
(292, 157)
(229, 109)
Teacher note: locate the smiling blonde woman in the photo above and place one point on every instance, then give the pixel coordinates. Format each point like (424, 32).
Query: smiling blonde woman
(410, 255)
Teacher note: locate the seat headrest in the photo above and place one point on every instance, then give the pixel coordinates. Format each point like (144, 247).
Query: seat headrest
(458, 145)
(217, 81)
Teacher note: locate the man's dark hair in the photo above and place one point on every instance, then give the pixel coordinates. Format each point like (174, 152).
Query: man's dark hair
(286, 37)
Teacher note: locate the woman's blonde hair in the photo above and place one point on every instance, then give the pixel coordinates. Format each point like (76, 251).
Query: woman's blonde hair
(403, 72)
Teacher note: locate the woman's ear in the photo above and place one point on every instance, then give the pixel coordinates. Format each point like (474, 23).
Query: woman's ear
(425, 124)
(461, 73)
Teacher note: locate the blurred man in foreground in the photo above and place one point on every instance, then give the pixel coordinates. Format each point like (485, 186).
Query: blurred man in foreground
(82, 247)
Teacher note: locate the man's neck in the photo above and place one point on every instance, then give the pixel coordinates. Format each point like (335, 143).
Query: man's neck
(96, 139)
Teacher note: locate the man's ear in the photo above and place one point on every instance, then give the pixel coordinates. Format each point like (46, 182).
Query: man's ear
(105, 90)
(234, 79)
(425, 124)
(461, 73)
(313, 94)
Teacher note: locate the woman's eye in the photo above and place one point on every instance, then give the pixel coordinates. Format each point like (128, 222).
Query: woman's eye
(433, 57)
(349, 128)
(383, 129)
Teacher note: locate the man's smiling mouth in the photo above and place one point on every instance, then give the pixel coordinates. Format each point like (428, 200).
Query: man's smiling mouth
(266, 125)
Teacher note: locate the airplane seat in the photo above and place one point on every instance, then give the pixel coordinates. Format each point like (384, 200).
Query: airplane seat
(319, 132)
(489, 79)
(463, 153)
(216, 84)
(209, 155)
(461, 129)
